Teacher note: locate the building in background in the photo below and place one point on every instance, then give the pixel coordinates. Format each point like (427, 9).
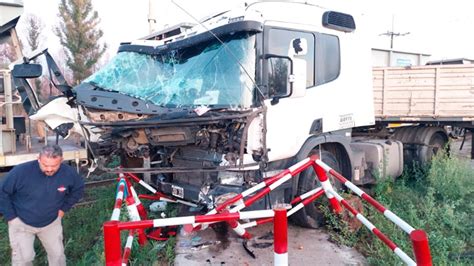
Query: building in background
(389, 57)
(455, 61)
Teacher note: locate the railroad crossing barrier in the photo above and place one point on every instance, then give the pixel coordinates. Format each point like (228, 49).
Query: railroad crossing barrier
(418, 237)
(118, 199)
(280, 237)
(112, 242)
(231, 212)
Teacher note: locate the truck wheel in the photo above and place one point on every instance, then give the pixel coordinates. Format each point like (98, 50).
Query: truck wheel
(421, 143)
(437, 143)
(310, 216)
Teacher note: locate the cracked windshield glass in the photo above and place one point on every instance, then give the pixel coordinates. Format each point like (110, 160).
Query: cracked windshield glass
(205, 74)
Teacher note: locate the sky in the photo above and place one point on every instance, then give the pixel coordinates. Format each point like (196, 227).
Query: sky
(444, 29)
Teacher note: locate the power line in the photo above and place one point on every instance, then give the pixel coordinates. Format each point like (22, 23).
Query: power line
(393, 34)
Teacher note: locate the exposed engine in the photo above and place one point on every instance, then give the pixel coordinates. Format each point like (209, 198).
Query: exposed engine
(185, 154)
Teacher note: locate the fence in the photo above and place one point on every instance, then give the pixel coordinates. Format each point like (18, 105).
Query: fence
(231, 212)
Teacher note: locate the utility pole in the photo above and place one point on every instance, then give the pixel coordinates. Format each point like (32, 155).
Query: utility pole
(392, 33)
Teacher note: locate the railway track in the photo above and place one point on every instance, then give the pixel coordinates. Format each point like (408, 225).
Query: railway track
(94, 184)
(100, 183)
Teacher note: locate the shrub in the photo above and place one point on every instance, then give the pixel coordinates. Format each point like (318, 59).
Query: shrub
(436, 198)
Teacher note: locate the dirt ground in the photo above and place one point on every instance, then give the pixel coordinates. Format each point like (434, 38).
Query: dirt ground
(305, 247)
(465, 152)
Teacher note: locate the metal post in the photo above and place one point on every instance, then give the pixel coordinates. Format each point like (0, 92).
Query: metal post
(280, 232)
(147, 164)
(112, 248)
(421, 248)
(327, 187)
(8, 100)
(472, 143)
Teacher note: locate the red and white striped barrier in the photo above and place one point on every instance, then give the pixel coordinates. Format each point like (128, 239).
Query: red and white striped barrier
(112, 244)
(127, 251)
(159, 195)
(327, 187)
(292, 171)
(418, 237)
(245, 199)
(374, 230)
(138, 204)
(112, 248)
(280, 236)
(134, 213)
(118, 200)
(239, 229)
(239, 197)
(421, 247)
(387, 213)
(305, 199)
(265, 186)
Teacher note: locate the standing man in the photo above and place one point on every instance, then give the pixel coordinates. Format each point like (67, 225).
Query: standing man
(33, 198)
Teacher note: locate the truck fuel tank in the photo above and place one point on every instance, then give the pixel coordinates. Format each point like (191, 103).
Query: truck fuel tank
(378, 159)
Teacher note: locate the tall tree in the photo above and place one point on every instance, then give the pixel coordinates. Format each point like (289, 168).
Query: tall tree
(34, 28)
(7, 55)
(79, 34)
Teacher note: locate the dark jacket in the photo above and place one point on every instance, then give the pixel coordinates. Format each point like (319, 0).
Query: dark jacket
(36, 198)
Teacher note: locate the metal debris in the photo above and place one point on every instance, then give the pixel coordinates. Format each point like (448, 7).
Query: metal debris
(250, 252)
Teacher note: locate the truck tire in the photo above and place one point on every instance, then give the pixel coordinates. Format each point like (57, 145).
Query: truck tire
(421, 143)
(310, 216)
(437, 142)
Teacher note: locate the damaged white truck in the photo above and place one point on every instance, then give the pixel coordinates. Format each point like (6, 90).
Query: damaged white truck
(214, 108)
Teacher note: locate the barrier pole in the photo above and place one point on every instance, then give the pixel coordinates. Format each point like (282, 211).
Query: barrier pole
(134, 213)
(265, 187)
(128, 248)
(280, 232)
(314, 194)
(421, 247)
(387, 213)
(387, 241)
(195, 219)
(293, 171)
(118, 200)
(327, 187)
(160, 195)
(239, 229)
(112, 248)
(138, 204)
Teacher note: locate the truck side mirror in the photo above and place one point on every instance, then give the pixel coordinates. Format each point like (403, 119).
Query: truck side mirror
(27, 71)
(280, 68)
(297, 50)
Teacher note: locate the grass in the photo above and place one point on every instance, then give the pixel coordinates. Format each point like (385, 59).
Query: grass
(82, 231)
(436, 198)
(83, 236)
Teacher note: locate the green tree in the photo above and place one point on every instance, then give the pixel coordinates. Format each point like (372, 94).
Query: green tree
(79, 34)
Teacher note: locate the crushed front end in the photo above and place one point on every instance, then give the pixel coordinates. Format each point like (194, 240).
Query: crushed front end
(180, 113)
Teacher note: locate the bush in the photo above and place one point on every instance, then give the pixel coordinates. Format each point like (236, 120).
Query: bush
(436, 198)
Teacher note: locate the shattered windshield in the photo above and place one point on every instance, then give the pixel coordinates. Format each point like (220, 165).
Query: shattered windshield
(204, 74)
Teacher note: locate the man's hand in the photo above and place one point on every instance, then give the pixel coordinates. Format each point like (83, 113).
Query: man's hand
(60, 214)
